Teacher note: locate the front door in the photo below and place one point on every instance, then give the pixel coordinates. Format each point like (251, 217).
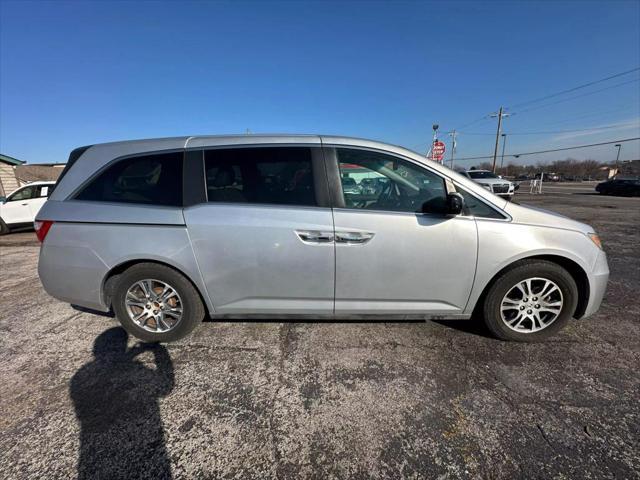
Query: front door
(390, 257)
(17, 210)
(264, 239)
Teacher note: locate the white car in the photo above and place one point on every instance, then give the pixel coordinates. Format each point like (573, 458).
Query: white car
(20, 208)
(491, 182)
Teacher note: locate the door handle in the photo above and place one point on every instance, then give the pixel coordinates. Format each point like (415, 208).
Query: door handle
(354, 238)
(315, 236)
(24, 204)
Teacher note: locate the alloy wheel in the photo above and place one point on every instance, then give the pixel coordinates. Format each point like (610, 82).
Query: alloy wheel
(531, 305)
(154, 305)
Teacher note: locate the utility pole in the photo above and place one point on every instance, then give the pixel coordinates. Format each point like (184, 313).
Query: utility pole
(504, 141)
(618, 155)
(453, 145)
(500, 114)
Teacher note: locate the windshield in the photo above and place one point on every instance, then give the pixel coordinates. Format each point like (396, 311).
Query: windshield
(482, 175)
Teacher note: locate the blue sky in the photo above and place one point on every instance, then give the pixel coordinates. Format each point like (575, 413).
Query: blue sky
(76, 73)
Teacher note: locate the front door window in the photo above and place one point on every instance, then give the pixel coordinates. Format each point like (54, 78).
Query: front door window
(376, 181)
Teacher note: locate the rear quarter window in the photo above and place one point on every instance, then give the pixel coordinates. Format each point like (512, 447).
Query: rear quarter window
(152, 179)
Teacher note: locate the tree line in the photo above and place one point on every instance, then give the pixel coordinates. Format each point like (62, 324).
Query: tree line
(569, 167)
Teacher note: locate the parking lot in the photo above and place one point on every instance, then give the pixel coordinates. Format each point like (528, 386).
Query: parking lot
(266, 399)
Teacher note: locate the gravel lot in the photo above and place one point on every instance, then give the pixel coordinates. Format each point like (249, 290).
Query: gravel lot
(324, 400)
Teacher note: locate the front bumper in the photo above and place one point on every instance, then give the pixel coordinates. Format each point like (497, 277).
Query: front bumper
(597, 285)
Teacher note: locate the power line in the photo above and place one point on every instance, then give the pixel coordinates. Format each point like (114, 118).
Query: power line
(550, 132)
(486, 117)
(546, 97)
(599, 114)
(553, 150)
(553, 95)
(577, 96)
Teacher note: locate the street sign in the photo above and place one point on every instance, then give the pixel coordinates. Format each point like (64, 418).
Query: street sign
(437, 151)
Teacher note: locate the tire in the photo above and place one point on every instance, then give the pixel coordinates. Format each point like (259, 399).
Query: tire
(3, 228)
(187, 298)
(542, 271)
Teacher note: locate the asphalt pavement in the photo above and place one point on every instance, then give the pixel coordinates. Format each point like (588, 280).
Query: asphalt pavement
(267, 399)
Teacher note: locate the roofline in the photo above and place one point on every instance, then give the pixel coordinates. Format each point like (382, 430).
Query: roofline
(8, 159)
(190, 140)
(57, 164)
(38, 182)
(98, 154)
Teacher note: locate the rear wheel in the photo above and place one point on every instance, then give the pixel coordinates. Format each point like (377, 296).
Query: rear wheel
(157, 304)
(530, 302)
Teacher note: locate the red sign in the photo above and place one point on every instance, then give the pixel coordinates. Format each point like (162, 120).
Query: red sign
(437, 151)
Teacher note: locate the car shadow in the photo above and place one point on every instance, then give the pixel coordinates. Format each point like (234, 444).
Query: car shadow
(79, 308)
(473, 326)
(116, 399)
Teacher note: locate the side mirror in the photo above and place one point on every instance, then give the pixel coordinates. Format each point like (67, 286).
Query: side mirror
(452, 204)
(455, 203)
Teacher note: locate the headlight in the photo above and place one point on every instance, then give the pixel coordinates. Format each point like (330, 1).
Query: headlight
(486, 185)
(595, 238)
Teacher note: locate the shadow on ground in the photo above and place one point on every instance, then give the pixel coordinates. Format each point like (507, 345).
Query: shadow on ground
(116, 402)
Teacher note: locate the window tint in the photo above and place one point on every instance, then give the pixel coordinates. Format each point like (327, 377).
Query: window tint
(482, 174)
(24, 194)
(149, 179)
(476, 208)
(272, 175)
(376, 181)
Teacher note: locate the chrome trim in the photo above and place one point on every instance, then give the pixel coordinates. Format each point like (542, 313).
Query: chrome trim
(354, 238)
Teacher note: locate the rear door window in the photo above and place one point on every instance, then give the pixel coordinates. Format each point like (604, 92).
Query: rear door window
(267, 175)
(153, 179)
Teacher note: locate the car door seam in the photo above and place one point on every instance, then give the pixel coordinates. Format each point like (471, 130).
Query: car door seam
(195, 258)
(475, 270)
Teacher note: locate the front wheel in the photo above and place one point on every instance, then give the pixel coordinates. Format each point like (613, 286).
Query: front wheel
(531, 301)
(157, 304)
(3, 228)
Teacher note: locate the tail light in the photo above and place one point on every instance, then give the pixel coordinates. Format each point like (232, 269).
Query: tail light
(42, 228)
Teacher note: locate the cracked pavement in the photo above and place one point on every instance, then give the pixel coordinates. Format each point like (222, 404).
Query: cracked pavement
(267, 399)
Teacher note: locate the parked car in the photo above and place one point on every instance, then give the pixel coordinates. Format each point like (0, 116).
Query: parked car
(372, 186)
(548, 177)
(20, 208)
(624, 186)
(569, 178)
(165, 231)
(492, 182)
(349, 186)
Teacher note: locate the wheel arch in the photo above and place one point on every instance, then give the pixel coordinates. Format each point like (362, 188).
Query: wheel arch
(111, 279)
(575, 270)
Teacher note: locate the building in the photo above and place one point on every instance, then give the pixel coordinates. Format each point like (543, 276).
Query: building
(8, 180)
(14, 173)
(38, 172)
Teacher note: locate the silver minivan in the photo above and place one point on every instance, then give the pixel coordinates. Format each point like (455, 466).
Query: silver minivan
(166, 231)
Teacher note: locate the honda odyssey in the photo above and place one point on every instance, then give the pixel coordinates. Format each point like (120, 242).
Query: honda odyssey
(166, 231)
